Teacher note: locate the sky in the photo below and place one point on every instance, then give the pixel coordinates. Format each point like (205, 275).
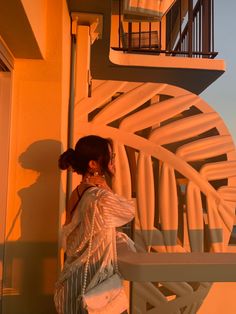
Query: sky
(221, 94)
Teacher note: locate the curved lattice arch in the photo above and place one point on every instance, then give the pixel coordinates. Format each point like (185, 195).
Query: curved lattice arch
(177, 158)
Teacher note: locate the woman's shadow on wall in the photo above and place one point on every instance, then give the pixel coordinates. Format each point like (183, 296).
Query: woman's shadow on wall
(39, 220)
(40, 201)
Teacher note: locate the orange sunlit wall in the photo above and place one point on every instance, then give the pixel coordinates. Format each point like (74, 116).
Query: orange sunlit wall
(35, 189)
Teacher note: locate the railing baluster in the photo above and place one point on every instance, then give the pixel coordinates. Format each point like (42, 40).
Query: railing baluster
(209, 26)
(119, 23)
(129, 36)
(196, 33)
(160, 41)
(139, 37)
(171, 28)
(205, 26)
(200, 27)
(212, 27)
(150, 34)
(190, 27)
(180, 23)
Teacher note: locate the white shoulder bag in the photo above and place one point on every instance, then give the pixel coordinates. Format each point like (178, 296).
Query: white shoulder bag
(109, 295)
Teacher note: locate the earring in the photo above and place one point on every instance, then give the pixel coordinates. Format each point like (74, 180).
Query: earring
(93, 172)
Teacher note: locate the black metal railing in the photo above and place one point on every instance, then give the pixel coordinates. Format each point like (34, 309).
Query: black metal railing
(189, 26)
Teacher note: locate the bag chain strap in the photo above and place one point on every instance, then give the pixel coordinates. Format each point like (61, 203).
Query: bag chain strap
(89, 253)
(90, 248)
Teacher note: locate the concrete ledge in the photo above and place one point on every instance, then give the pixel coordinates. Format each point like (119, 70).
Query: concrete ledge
(211, 267)
(162, 61)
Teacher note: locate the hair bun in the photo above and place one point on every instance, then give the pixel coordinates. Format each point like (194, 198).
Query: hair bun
(67, 159)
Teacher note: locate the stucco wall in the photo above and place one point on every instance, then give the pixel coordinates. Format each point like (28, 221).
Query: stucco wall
(35, 193)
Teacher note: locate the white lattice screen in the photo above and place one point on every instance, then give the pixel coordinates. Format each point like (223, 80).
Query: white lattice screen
(176, 157)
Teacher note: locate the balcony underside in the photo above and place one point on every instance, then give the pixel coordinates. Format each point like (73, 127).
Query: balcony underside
(16, 31)
(191, 74)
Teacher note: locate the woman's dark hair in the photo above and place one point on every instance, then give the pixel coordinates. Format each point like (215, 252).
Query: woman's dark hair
(87, 148)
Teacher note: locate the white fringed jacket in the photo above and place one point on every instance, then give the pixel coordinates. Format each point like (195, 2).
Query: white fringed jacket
(111, 211)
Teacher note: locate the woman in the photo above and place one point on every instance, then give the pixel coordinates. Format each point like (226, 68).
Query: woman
(93, 158)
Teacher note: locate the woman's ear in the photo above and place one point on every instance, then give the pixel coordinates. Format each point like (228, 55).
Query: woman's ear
(94, 165)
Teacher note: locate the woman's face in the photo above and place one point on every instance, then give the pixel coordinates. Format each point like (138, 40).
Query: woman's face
(111, 164)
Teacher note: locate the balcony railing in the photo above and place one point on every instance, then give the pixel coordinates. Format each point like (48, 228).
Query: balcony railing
(186, 29)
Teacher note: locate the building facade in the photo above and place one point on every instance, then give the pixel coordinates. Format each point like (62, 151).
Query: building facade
(71, 68)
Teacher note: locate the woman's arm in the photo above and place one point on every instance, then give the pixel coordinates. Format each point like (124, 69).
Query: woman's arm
(115, 209)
